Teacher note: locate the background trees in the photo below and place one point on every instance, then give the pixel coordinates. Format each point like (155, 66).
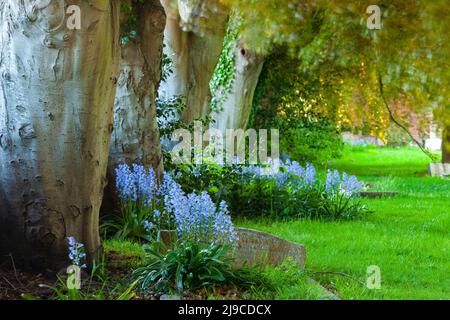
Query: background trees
(334, 49)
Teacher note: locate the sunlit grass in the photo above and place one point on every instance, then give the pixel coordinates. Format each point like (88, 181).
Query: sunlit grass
(372, 161)
(407, 236)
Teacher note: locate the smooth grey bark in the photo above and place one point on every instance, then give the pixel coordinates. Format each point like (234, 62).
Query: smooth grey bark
(194, 40)
(56, 100)
(136, 138)
(237, 106)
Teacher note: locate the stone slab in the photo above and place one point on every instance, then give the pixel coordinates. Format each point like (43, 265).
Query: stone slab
(257, 248)
(439, 169)
(377, 194)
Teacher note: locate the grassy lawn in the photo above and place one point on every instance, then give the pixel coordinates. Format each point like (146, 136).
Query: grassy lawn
(407, 236)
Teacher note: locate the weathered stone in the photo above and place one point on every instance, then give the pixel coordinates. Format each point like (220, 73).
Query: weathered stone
(377, 194)
(256, 247)
(439, 169)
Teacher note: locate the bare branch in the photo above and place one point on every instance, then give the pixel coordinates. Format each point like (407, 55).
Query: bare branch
(392, 117)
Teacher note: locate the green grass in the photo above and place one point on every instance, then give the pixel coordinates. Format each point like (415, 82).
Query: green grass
(373, 161)
(407, 236)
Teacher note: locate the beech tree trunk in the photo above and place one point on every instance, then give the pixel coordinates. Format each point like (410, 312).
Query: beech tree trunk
(56, 100)
(237, 106)
(136, 134)
(446, 145)
(136, 138)
(193, 41)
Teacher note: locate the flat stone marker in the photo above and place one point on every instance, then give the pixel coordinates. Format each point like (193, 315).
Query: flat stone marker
(256, 247)
(377, 194)
(439, 169)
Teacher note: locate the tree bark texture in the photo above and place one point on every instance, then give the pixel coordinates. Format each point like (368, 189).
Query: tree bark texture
(136, 138)
(56, 101)
(237, 106)
(193, 41)
(446, 145)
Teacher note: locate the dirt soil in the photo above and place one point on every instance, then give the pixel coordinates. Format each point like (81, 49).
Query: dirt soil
(14, 283)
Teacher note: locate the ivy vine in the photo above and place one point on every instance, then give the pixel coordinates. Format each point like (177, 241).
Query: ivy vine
(129, 10)
(223, 77)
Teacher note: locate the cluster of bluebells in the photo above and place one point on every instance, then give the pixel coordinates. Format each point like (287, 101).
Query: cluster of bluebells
(345, 184)
(199, 219)
(288, 173)
(135, 184)
(76, 252)
(297, 176)
(292, 189)
(195, 217)
(291, 173)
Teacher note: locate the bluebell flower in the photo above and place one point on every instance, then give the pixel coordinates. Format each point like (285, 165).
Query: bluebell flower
(76, 252)
(350, 185)
(125, 183)
(199, 219)
(195, 217)
(196, 172)
(310, 175)
(148, 226)
(333, 181)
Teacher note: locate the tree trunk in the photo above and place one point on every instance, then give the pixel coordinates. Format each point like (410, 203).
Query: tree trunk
(136, 138)
(56, 101)
(193, 38)
(237, 106)
(136, 134)
(446, 145)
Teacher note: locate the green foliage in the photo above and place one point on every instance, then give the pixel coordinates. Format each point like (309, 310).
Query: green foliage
(341, 207)
(166, 66)
(301, 105)
(223, 77)
(337, 52)
(187, 266)
(248, 195)
(168, 113)
(129, 12)
(129, 224)
(310, 140)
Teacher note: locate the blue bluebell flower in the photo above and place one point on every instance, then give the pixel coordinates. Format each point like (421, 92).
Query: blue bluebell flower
(76, 252)
(332, 181)
(350, 185)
